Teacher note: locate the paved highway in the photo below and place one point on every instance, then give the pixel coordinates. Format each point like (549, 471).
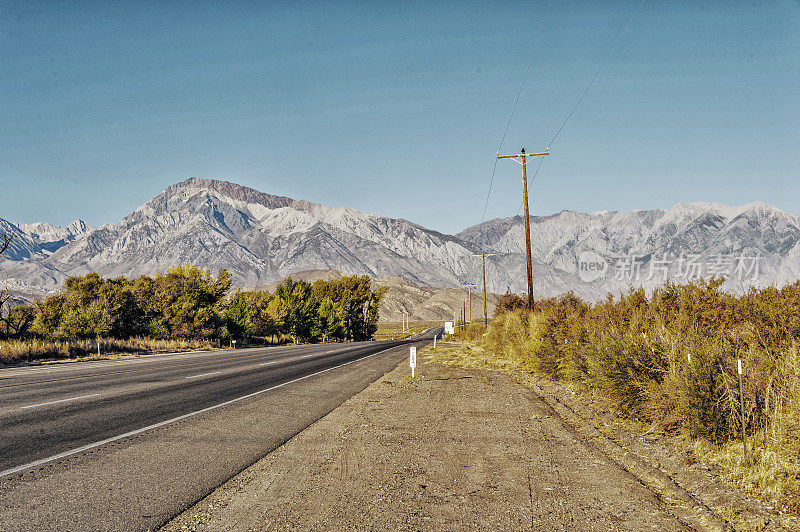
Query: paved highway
(126, 444)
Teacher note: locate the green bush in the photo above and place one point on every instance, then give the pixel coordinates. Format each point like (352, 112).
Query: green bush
(188, 303)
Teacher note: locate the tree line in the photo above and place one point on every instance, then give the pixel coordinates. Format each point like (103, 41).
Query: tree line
(188, 302)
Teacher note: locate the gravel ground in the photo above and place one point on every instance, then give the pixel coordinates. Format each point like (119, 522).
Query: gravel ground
(454, 449)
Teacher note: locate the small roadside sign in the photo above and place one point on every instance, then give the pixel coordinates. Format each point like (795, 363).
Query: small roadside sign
(448, 327)
(412, 360)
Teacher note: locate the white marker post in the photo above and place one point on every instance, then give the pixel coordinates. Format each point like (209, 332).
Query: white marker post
(412, 361)
(741, 402)
(434, 340)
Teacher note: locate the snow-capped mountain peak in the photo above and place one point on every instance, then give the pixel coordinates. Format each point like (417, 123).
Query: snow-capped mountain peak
(261, 238)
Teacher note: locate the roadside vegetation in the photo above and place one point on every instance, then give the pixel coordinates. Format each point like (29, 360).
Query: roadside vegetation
(185, 308)
(670, 361)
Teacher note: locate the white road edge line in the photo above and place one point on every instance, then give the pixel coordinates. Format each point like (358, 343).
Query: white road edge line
(60, 401)
(160, 424)
(203, 375)
(309, 356)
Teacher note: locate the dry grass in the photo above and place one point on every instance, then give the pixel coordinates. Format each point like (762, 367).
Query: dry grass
(16, 351)
(473, 332)
(770, 473)
(388, 330)
(464, 351)
(772, 468)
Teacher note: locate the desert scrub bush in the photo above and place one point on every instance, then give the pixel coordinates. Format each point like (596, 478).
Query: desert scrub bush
(508, 335)
(16, 351)
(697, 396)
(668, 359)
(555, 334)
(472, 333)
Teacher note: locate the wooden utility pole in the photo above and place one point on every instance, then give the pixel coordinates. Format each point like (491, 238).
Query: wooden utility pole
(524, 156)
(469, 286)
(469, 301)
(485, 314)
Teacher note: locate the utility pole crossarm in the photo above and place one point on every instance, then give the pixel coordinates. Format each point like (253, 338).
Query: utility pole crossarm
(523, 154)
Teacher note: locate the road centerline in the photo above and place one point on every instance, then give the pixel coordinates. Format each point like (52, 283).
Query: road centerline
(60, 401)
(202, 375)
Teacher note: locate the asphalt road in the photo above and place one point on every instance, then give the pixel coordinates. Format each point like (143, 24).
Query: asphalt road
(127, 444)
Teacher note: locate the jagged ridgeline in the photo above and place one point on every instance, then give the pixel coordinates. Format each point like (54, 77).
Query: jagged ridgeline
(261, 238)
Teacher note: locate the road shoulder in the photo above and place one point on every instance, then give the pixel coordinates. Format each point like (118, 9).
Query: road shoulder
(455, 448)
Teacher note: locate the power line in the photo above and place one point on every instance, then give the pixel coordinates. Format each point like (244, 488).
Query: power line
(491, 182)
(525, 76)
(585, 91)
(574, 108)
(596, 74)
(516, 103)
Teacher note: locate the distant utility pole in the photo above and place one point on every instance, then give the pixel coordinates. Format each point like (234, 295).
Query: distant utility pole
(469, 286)
(523, 156)
(464, 314)
(485, 314)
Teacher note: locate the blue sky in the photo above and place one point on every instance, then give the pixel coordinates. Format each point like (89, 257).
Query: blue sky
(397, 108)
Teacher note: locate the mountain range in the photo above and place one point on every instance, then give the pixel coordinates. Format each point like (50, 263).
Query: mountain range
(261, 238)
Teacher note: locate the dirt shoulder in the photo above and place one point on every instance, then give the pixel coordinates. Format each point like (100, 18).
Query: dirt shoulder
(455, 448)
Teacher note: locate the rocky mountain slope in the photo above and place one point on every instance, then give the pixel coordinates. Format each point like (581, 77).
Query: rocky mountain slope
(425, 303)
(755, 244)
(261, 238)
(422, 303)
